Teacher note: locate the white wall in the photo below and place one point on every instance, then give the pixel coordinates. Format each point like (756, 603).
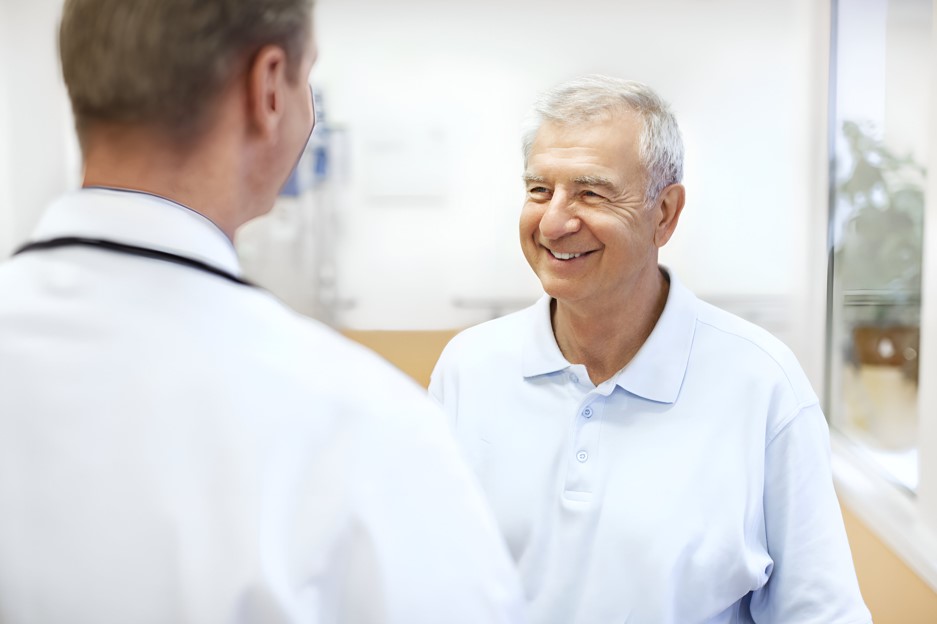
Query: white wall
(6, 210)
(809, 264)
(38, 160)
(907, 97)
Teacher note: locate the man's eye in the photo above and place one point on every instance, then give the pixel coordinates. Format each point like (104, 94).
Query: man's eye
(592, 194)
(537, 190)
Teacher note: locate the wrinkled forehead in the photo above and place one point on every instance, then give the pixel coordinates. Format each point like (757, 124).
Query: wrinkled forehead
(596, 153)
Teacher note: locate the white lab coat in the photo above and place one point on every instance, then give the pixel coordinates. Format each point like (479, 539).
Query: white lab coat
(178, 448)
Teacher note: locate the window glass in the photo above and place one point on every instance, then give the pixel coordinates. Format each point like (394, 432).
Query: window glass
(879, 116)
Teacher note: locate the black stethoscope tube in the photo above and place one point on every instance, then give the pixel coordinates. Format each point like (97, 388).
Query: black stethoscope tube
(133, 250)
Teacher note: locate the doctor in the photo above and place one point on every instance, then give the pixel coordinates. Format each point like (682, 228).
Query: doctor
(175, 444)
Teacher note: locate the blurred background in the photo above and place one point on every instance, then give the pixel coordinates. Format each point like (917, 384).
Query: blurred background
(807, 125)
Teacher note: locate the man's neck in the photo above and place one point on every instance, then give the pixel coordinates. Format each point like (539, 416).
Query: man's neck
(606, 339)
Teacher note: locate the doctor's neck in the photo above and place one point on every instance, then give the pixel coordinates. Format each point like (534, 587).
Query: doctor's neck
(203, 175)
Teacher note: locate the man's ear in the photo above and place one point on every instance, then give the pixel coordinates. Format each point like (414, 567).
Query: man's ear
(266, 81)
(671, 202)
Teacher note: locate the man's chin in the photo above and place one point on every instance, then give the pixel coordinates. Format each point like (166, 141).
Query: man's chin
(561, 290)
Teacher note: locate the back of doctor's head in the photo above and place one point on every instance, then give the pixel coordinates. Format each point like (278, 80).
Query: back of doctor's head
(161, 63)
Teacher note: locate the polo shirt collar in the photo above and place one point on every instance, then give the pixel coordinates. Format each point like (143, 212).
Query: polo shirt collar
(657, 370)
(655, 373)
(138, 218)
(541, 354)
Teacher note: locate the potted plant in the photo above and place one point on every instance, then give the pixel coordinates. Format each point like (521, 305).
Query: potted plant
(879, 250)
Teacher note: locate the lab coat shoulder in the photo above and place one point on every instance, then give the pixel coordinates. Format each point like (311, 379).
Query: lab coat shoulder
(428, 544)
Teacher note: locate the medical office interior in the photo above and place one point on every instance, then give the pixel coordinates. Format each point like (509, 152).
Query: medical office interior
(809, 128)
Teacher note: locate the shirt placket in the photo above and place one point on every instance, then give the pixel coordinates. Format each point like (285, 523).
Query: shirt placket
(583, 451)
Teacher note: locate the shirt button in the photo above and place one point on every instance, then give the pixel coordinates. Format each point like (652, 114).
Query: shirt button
(582, 456)
(587, 412)
(574, 378)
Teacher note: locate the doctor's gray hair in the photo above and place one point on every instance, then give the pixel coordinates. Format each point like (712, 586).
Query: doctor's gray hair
(592, 97)
(162, 63)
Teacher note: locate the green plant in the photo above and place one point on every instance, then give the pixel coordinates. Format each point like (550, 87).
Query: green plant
(881, 244)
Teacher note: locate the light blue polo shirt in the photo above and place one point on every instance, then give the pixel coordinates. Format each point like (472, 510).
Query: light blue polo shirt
(693, 486)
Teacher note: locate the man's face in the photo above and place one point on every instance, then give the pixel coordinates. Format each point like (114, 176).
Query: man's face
(584, 228)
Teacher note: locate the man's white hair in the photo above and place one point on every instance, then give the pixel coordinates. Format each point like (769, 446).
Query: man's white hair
(589, 98)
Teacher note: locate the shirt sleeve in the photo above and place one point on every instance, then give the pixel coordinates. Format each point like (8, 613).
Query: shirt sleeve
(813, 580)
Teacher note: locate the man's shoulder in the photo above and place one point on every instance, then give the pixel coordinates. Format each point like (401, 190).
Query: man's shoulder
(751, 347)
(734, 327)
(497, 338)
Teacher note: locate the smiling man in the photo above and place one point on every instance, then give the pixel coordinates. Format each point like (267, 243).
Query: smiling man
(649, 458)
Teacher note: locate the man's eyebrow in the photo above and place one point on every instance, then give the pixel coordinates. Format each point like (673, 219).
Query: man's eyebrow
(530, 178)
(592, 180)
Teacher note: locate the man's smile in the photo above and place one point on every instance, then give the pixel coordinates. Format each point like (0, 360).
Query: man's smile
(566, 256)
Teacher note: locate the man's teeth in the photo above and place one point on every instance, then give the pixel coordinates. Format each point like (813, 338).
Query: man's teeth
(564, 256)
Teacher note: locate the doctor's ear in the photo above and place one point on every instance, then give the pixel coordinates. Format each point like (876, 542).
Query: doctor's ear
(670, 205)
(266, 81)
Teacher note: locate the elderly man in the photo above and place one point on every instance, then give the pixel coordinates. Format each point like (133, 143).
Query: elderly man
(175, 444)
(649, 458)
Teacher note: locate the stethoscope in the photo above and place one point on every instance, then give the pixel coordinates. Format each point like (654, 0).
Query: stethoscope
(131, 250)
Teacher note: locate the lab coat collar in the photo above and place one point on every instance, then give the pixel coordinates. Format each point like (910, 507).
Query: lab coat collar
(138, 218)
(655, 373)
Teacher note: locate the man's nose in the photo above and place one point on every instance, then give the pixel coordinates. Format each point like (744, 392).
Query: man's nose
(559, 219)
